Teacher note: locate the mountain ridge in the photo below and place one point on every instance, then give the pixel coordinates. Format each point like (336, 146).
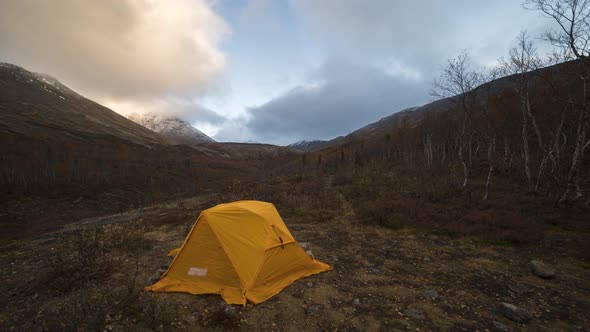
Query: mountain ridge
(175, 129)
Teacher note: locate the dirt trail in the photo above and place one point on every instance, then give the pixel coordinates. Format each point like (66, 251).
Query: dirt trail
(382, 280)
(347, 213)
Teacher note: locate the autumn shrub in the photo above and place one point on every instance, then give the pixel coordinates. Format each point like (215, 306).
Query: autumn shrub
(93, 253)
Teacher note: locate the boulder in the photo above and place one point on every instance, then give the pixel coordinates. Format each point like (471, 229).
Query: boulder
(514, 313)
(542, 270)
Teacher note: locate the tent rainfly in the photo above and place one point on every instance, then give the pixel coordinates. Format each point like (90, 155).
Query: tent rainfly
(242, 251)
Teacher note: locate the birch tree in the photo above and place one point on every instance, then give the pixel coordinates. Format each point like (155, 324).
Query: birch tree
(459, 77)
(522, 59)
(572, 36)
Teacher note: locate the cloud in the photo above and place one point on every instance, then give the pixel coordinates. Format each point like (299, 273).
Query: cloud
(186, 109)
(393, 50)
(419, 33)
(344, 97)
(117, 49)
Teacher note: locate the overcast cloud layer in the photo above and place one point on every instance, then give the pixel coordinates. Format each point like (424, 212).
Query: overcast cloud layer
(346, 97)
(127, 54)
(258, 70)
(394, 50)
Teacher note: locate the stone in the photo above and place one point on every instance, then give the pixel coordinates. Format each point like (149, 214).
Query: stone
(414, 313)
(542, 270)
(515, 313)
(155, 277)
(356, 302)
(312, 309)
(309, 284)
(500, 327)
(430, 294)
(230, 312)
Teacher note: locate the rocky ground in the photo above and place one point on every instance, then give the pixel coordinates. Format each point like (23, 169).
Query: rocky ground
(382, 279)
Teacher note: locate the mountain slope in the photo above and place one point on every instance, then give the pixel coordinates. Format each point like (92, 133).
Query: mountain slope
(545, 84)
(176, 130)
(36, 105)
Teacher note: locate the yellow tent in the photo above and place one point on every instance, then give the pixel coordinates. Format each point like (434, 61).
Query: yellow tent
(242, 251)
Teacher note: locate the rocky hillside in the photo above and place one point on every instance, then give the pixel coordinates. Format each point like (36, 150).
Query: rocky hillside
(174, 129)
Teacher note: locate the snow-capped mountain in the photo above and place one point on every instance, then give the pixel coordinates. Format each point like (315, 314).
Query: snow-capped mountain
(307, 145)
(176, 130)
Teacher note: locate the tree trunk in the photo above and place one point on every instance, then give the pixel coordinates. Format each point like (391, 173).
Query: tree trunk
(465, 168)
(525, 142)
(490, 168)
(573, 191)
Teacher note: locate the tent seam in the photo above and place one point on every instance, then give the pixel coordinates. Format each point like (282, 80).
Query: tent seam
(226, 255)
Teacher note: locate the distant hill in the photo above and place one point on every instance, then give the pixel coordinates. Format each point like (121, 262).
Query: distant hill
(176, 130)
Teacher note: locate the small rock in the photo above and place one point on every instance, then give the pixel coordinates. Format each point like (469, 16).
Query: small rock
(356, 302)
(166, 265)
(414, 313)
(515, 313)
(430, 294)
(304, 245)
(541, 270)
(309, 284)
(310, 253)
(519, 288)
(426, 259)
(500, 327)
(312, 309)
(155, 277)
(230, 312)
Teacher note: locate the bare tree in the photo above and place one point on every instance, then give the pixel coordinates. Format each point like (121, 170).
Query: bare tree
(459, 77)
(489, 131)
(522, 59)
(572, 36)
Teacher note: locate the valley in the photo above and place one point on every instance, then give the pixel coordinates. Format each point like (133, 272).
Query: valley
(446, 195)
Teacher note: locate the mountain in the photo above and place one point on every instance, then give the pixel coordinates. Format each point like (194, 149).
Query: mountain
(176, 130)
(52, 139)
(307, 145)
(546, 84)
(39, 106)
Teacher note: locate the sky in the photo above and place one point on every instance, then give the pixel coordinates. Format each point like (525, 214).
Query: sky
(259, 70)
